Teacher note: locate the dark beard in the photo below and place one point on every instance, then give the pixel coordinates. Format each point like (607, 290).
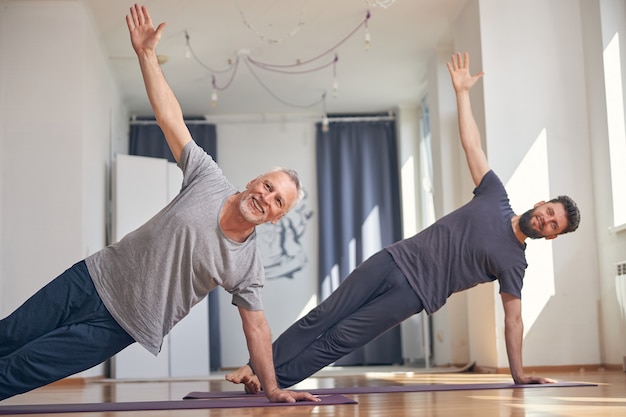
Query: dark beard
(524, 225)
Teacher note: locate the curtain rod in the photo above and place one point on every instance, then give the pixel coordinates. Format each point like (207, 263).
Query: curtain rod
(263, 118)
(361, 118)
(153, 122)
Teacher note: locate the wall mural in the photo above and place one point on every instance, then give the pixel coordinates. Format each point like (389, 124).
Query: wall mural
(281, 243)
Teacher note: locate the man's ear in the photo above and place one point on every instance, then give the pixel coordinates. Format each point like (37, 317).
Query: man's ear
(551, 237)
(541, 203)
(276, 220)
(249, 184)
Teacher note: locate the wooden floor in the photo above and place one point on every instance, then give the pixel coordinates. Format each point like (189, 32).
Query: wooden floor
(608, 398)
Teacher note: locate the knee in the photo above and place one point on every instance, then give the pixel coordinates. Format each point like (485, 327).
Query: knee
(341, 340)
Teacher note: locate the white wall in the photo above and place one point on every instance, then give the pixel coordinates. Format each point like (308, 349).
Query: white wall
(60, 109)
(536, 134)
(601, 21)
(246, 150)
(449, 324)
(60, 126)
(3, 76)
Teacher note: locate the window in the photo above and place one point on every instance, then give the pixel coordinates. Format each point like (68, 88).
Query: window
(616, 129)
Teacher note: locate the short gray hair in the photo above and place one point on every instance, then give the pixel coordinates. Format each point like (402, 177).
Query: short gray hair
(293, 175)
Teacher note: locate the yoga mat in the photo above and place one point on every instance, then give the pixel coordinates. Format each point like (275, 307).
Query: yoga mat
(223, 402)
(393, 388)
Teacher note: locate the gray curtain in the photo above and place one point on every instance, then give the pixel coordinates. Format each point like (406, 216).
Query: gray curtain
(357, 179)
(147, 139)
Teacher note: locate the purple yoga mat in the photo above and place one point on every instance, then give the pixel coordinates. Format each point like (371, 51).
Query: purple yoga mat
(392, 388)
(224, 402)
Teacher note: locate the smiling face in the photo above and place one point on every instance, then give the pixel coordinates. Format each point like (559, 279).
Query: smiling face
(268, 197)
(545, 220)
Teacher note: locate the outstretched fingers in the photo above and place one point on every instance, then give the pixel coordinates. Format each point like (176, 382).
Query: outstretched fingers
(139, 16)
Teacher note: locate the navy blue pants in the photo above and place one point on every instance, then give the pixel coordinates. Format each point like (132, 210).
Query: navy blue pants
(61, 330)
(374, 298)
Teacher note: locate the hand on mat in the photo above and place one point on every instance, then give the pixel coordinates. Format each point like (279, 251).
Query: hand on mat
(284, 396)
(534, 380)
(252, 385)
(245, 376)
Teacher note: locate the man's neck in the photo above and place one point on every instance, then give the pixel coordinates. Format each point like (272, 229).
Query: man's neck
(516, 229)
(232, 223)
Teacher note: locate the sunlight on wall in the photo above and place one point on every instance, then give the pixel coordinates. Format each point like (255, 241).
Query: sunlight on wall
(372, 243)
(407, 178)
(330, 282)
(310, 305)
(529, 185)
(616, 127)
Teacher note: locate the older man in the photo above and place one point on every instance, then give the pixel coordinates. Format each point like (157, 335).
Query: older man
(137, 289)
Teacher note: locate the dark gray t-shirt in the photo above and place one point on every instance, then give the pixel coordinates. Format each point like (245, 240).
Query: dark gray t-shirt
(153, 276)
(471, 245)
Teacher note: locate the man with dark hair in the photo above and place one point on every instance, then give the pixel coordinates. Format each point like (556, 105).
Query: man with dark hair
(481, 241)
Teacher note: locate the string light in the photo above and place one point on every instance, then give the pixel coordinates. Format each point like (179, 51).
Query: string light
(290, 69)
(382, 3)
(187, 47)
(325, 120)
(367, 37)
(335, 82)
(266, 39)
(214, 98)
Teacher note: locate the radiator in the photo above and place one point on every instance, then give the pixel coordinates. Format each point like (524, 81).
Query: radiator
(620, 291)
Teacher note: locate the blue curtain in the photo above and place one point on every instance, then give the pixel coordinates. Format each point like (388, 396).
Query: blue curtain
(147, 139)
(358, 180)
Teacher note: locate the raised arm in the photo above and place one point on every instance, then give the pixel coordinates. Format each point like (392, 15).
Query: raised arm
(144, 38)
(259, 340)
(463, 81)
(514, 334)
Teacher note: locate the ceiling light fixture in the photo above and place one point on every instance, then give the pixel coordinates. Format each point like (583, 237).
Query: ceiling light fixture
(266, 39)
(299, 67)
(381, 3)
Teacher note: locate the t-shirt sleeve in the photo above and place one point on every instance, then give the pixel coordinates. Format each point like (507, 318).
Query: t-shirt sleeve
(489, 184)
(249, 298)
(195, 162)
(511, 281)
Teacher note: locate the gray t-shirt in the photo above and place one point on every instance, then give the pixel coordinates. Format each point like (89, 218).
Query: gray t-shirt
(153, 276)
(471, 245)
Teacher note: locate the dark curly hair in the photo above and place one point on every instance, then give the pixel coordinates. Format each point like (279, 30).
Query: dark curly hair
(571, 210)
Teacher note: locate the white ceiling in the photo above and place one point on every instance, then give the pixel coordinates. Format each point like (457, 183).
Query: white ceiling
(389, 73)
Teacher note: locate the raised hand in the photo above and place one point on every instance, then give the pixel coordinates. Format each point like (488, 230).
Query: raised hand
(143, 35)
(462, 79)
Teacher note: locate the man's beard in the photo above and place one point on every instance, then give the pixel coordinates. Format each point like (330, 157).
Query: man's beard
(526, 228)
(248, 212)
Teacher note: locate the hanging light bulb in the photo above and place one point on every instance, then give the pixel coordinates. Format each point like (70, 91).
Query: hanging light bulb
(325, 123)
(325, 116)
(214, 98)
(187, 47)
(335, 82)
(367, 32)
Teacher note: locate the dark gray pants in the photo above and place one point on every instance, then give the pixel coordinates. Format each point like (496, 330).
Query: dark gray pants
(374, 298)
(61, 330)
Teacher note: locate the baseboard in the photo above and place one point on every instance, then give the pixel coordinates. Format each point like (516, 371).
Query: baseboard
(550, 369)
(76, 381)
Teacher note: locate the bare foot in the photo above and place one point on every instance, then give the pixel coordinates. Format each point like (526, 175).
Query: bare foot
(245, 376)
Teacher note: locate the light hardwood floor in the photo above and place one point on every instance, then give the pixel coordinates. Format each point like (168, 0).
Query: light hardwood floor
(608, 398)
